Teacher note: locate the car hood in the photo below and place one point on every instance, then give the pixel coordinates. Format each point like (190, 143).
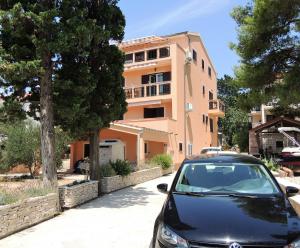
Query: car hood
(223, 219)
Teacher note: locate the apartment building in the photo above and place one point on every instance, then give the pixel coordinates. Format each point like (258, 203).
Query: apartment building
(171, 90)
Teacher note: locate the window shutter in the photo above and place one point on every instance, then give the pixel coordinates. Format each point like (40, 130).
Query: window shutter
(145, 79)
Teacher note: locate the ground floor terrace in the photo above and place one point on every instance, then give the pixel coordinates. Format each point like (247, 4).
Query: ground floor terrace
(126, 142)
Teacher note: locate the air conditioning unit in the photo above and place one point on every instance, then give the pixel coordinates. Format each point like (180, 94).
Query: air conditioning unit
(188, 56)
(188, 107)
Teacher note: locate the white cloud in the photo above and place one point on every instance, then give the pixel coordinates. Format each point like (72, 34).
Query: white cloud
(189, 9)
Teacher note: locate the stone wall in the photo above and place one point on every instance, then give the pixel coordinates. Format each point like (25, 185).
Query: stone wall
(23, 214)
(167, 171)
(109, 184)
(77, 194)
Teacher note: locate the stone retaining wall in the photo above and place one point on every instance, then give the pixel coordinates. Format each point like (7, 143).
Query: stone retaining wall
(167, 171)
(23, 214)
(77, 194)
(109, 184)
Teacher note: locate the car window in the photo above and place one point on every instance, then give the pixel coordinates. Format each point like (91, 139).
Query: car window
(229, 177)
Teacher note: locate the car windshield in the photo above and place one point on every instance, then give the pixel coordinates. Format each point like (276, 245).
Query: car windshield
(225, 178)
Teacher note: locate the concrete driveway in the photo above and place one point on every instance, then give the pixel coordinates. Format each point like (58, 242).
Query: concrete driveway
(121, 219)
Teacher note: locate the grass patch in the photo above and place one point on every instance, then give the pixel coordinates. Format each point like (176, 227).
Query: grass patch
(10, 193)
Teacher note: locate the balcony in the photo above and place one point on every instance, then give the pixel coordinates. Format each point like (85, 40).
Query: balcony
(149, 91)
(216, 108)
(147, 59)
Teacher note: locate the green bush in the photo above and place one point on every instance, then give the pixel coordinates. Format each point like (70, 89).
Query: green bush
(163, 160)
(121, 167)
(271, 164)
(107, 171)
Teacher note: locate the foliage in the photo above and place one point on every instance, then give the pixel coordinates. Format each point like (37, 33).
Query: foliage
(62, 140)
(271, 164)
(11, 112)
(163, 160)
(268, 44)
(121, 167)
(22, 146)
(92, 91)
(9, 194)
(107, 171)
(235, 124)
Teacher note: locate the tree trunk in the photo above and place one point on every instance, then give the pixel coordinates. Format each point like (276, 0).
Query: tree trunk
(94, 155)
(47, 126)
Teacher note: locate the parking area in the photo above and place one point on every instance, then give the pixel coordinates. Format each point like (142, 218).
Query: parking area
(124, 218)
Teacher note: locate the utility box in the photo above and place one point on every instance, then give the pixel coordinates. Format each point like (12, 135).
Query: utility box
(111, 150)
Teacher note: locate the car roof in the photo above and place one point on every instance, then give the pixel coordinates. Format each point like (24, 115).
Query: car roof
(224, 158)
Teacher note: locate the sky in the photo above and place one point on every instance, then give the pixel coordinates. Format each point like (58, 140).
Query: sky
(210, 18)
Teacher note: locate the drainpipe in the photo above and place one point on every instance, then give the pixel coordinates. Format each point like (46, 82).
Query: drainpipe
(186, 64)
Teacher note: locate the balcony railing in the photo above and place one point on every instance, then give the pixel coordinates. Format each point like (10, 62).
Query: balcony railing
(216, 105)
(155, 89)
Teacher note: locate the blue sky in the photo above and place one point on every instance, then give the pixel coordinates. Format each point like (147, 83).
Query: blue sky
(210, 18)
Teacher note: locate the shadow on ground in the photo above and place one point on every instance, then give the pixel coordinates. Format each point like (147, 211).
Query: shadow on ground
(121, 199)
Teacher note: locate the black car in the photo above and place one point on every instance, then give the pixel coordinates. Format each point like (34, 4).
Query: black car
(228, 201)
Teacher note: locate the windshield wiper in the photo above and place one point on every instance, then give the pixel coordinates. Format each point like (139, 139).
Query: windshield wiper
(241, 195)
(189, 193)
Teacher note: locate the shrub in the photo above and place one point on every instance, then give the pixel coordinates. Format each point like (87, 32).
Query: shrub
(107, 171)
(121, 167)
(163, 160)
(271, 164)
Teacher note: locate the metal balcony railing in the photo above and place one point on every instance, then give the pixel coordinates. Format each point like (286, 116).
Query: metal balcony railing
(155, 89)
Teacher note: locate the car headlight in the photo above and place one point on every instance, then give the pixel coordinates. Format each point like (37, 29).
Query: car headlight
(295, 244)
(172, 238)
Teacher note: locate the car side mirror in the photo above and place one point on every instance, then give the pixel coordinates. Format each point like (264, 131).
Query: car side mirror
(290, 191)
(163, 188)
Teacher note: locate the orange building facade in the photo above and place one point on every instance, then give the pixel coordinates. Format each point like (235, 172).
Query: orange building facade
(171, 91)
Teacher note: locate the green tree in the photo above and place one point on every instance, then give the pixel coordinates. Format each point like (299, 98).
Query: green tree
(235, 123)
(33, 35)
(21, 146)
(268, 44)
(95, 96)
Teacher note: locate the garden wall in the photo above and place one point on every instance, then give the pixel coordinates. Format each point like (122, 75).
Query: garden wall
(71, 196)
(109, 184)
(23, 214)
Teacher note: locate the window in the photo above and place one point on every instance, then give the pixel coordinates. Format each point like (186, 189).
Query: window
(203, 90)
(190, 149)
(211, 96)
(211, 125)
(180, 147)
(153, 112)
(156, 77)
(128, 58)
(202, 64)
(146, 147)
(152, 54)
(86, 151)
(279, 144)
(206, 120)
(203, 118)
(216, 177)
(209, 71)
(140, 56)
(164, 52)
(194, 55)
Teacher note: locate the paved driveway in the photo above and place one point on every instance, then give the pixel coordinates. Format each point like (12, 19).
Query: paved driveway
(121, 219)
